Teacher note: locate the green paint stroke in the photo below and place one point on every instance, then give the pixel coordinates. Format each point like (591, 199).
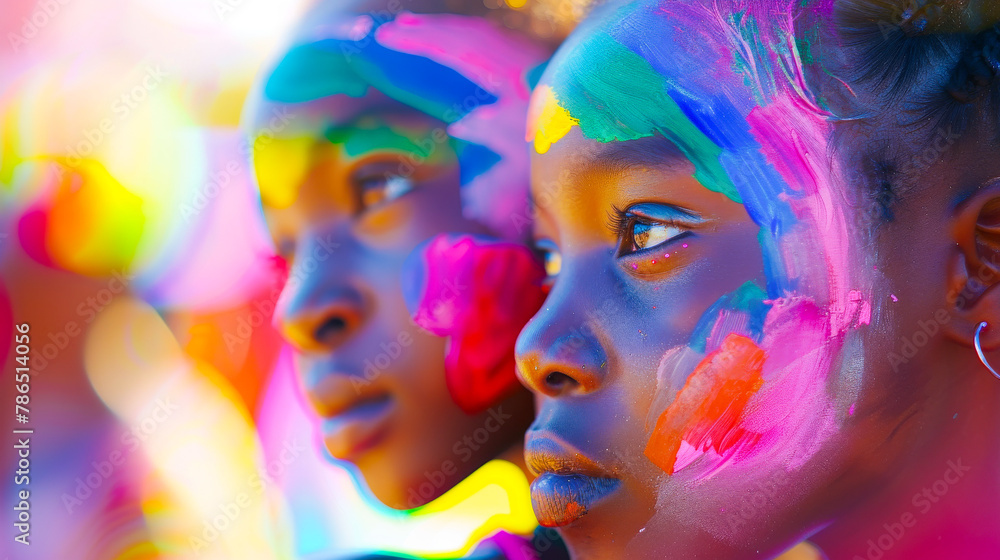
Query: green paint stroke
(618, 96)
(358, 141)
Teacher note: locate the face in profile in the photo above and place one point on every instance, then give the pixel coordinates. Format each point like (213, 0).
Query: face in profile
(393, 137)
(713, 363)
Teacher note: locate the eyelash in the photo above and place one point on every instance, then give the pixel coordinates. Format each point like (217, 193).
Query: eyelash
(622, 223)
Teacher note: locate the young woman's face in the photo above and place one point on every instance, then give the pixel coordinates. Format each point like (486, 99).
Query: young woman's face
(374, 378)
(707, 376)
(643, 249)
(353, 179)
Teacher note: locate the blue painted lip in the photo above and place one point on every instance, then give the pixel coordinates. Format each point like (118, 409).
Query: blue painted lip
(561, 499)
(569, 483)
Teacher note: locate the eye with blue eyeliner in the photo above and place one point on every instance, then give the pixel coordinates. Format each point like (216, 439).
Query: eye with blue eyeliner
(647, 232)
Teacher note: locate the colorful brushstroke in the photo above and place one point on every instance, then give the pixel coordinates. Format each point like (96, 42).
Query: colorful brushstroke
(442, 65)
(479, 293)
(708, 411)
(753, 131)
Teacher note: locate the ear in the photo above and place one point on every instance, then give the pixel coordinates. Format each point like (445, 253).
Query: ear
(974, 275)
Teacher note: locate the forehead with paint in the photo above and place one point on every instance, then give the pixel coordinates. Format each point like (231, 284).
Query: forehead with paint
(424, 85)
(719, 90)
(760, 385)
(724, 85)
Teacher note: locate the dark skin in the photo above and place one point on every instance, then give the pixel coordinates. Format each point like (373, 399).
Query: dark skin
(941, 255)
(348, 308)
(902, 417)
(585, 380)
(901, 428)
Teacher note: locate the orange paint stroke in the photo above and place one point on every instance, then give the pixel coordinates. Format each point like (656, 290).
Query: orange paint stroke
(574, 510)
(707, 411)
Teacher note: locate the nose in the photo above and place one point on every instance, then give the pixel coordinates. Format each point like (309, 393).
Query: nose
(318, 309)
(557, 353)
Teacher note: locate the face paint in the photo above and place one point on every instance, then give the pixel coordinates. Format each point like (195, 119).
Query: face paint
(393, 136)
(416, 60)
(479, 293)
(759, 151)
(754, 382)
(707, 413)
(547, 120)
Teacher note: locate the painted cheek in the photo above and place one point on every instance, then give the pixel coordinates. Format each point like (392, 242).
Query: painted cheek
(479, 293)
(706, 415)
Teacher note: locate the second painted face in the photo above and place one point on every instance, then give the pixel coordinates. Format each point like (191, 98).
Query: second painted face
(369, 161)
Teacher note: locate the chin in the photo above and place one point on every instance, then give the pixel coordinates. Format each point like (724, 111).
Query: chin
(605, 531)
(401, 488)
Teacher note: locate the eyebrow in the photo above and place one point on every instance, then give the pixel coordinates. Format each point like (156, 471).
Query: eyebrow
(619, 157)
(650, 151)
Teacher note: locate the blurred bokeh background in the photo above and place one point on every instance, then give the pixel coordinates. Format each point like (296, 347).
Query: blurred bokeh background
(165, 411)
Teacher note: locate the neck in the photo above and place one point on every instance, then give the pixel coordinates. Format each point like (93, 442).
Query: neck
(945, 501)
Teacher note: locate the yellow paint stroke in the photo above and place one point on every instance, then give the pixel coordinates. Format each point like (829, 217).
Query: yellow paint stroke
(548, 122)
(281, 165)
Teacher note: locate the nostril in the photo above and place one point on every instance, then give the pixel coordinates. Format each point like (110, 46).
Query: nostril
(559, 381)
(330, 328)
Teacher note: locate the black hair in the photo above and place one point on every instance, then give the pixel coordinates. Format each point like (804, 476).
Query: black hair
(931, 66)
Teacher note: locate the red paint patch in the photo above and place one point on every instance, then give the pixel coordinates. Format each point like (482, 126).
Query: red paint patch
(707, 411)
(478, 292)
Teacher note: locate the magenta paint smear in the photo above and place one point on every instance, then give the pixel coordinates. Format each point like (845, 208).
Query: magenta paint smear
(792, 414)
(478, 292)
(483, 53)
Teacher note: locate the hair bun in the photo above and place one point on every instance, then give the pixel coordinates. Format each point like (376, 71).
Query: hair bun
(977, 68)
(920, 17)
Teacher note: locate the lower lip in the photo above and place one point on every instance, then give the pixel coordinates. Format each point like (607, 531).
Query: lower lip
(560, 499)
(358, 429)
